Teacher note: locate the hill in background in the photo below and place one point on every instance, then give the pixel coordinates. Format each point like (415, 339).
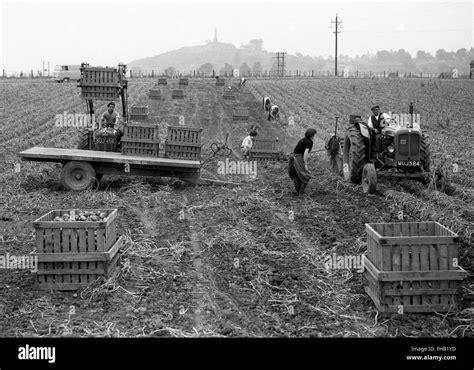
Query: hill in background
(252, 57)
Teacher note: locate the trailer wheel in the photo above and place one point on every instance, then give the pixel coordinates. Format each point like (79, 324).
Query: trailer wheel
(369, 179)
(78, 175)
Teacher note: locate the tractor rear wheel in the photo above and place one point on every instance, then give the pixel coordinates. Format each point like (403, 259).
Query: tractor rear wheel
(425, 153)
(78, 175)
(354, 155)
(369, 179)
(85, 140)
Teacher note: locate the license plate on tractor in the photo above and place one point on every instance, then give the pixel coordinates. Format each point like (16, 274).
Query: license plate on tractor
(408, 163)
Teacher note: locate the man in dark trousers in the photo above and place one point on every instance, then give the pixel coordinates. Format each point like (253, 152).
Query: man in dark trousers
(298, 162)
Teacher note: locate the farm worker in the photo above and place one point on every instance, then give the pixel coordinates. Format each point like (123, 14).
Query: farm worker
(274, 113)
(376, 122)
(247, 144)
(266, 104)
(298, 162)
(109, 116)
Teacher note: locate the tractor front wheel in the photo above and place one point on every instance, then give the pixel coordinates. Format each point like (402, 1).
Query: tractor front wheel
(354, 155)
(369, 179)
(78, 175)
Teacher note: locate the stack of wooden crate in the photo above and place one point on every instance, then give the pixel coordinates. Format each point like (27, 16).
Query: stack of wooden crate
(183, 143)
(240, 114)
(177, 94)
(265, 150)
(183, 81)
(140, 139)
(162, 81)
(100, 83)
(138, 112)
(220, 82)
(412, 267)
(73, 254)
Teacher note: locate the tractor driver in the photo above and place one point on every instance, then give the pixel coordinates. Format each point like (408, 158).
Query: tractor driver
(110, 117)
(376, 122)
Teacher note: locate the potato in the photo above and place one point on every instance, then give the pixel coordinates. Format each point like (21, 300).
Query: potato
(94, 218)
(102, 215)
(83, 218)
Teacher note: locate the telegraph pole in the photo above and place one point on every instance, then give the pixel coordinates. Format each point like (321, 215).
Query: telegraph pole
(336, 31)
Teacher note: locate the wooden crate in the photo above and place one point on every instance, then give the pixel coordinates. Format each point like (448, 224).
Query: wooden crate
(177, 94)
(240, 114)
(413, 264)
(183, 143)
(140, 139)
(74, 254)
(138, 112)
(265, 150)
(228, 95)
(417, 291)
(220, 82)
(100, 83)
(183, 81)
(162, 81)
(398, 246)
(155, 94)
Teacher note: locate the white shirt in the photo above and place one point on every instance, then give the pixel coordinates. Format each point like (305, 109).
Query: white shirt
(247, 143)
(380, 116)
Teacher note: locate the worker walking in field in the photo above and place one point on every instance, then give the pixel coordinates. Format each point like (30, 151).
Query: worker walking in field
(247, 144)
(298, 162)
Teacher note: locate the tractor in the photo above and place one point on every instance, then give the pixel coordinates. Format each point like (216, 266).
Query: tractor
(404, 152)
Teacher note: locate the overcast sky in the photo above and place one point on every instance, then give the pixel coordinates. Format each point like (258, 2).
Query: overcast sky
(105, 33)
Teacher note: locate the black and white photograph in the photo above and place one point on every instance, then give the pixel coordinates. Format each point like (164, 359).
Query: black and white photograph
(237, 170)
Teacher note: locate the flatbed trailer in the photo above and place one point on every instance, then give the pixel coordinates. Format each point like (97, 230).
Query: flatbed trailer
(81, 168)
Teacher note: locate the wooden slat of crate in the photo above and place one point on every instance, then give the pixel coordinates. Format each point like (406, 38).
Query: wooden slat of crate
(140, 139)
(177, 94)
(388, 295)
(155, 94)
(240, 114)
(183, 152)
(184, 135)
(228, 96)
(87, 268)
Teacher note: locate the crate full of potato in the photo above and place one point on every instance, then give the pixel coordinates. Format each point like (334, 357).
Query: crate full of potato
(76, 247)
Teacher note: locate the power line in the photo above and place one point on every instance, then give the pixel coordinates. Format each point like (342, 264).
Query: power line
(336, 32)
